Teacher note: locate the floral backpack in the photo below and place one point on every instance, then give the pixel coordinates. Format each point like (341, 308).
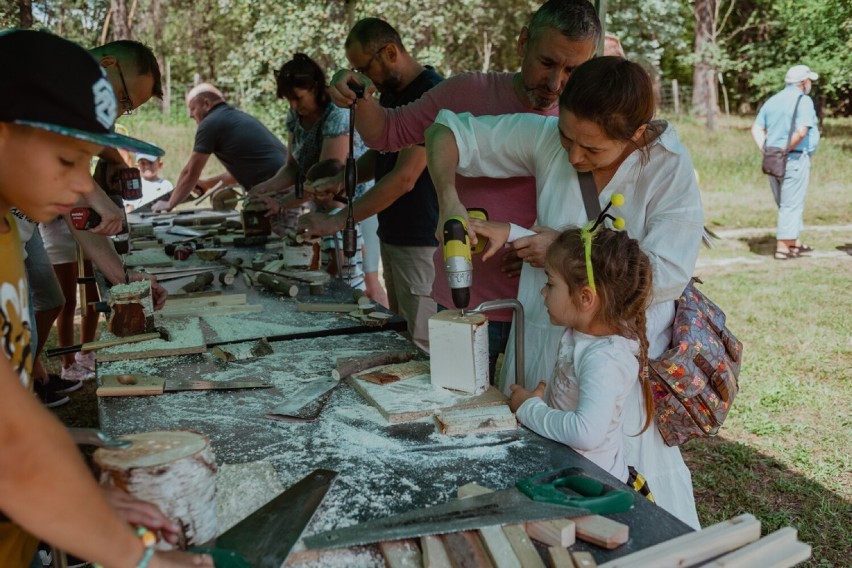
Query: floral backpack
(695, 382)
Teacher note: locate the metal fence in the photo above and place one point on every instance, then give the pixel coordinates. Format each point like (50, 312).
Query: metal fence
(673, 97)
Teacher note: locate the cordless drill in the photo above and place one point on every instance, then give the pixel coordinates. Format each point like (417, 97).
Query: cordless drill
(457, 260)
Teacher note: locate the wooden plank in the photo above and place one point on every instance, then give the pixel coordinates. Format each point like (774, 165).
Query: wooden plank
(466, 550)
(601, 531)
(434, 552)
(95, 345)
(695, 547)
(179, 312)
(186, 338)
(779, 549)
(318, 307)
(583, 560)
(473, 420)
(560, 557)
(401, 553)
(202, 301)
(130, 385)
(415, 398)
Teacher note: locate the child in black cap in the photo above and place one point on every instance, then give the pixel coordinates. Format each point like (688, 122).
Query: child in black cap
(56, 111)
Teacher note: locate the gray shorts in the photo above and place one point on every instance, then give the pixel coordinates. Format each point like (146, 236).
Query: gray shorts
(47, 295)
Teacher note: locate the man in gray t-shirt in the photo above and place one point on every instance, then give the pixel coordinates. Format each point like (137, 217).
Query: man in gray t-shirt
(247, 149)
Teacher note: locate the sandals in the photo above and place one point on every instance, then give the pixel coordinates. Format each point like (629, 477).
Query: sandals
(779, 255)
(801, 249)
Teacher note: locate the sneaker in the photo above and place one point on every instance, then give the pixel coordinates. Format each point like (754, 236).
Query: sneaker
(48, 397)
(77, 373)
(86, 360)
(59, 385)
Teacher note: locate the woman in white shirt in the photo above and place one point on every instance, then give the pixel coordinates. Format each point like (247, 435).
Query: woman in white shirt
(605, 128)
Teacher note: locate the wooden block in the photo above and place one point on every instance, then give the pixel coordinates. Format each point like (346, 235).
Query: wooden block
(466, 550)
(601, 531)
(434, 553)
(132, 309)
(207, 301)
(317, 307)
(472, 420)
(560, 557)
(557, 532)
(776, 550)
(395, 372)
(401, 553)
(693, 548)
(523, 546)
(583, 560)
(459, 351)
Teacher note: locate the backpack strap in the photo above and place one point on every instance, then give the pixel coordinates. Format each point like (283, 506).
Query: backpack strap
(590, 195)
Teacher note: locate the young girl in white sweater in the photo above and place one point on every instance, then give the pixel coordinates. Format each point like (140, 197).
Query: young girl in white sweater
(598, 287)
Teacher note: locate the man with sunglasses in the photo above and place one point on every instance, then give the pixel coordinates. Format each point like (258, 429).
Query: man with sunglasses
(561, 35)
(403, 196)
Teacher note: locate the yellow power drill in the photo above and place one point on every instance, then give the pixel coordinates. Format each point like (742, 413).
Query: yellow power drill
(457, 256)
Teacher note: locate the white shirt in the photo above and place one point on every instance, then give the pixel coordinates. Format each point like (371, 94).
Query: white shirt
(585, 398)
(662, 210)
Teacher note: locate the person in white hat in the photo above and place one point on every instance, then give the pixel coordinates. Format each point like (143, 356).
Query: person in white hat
(787, 125)
(154, 186)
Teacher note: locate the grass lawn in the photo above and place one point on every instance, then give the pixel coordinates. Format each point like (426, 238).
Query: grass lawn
(783, 454)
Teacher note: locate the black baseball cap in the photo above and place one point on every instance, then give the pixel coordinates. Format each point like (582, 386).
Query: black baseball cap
(54, 84)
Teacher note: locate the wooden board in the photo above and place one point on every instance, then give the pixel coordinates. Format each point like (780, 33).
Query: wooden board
(416, 397)
(148, 257)
(186, 338)
(318, 307)
(601, 531)
(401, 553)
(178, 312)
(204, 301)
(473, 420)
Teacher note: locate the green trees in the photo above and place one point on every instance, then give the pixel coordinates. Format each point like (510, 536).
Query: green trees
(239, 43)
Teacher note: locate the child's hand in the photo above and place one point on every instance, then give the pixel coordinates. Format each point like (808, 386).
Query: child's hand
(520, 395)
(497, 234)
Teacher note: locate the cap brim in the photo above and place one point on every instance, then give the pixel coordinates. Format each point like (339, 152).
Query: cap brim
(813, 76)
(112, 139)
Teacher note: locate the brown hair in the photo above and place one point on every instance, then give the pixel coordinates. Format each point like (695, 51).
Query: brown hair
(623, 283)
(302, 72)
(617, 95)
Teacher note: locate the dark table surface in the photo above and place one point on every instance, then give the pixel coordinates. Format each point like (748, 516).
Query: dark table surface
(383, 469)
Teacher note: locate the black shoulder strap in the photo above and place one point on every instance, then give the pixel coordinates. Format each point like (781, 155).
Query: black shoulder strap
(793, 123)
(590, 195)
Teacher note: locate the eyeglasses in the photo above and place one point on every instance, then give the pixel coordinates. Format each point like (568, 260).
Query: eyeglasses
(366, 66)
(124, 101)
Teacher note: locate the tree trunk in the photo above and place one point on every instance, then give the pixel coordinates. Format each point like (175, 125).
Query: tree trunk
(120, 24)
(25, 10)
(705, 98)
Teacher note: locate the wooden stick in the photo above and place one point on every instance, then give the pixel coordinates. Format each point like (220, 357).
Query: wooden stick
(210, 310)
(434, 552)
(693, 548)
(776, 550)
(347, 366)
(203, 301)
(466, 550)
(601, 531)
(401, 553)
(345, 308)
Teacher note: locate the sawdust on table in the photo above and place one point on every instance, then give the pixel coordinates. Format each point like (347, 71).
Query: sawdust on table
(184, 333)
(383, 469)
